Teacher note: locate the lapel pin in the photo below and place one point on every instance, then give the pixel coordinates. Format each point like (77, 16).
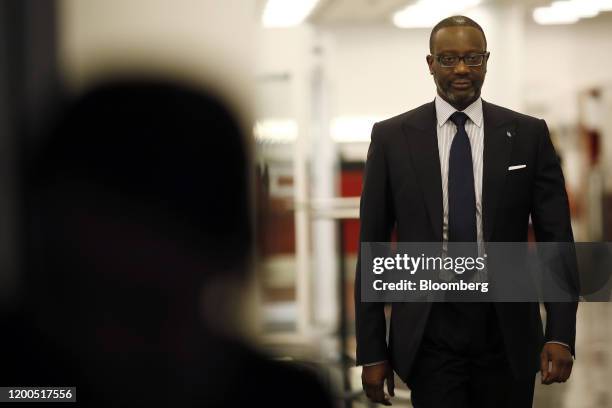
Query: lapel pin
(508, 133)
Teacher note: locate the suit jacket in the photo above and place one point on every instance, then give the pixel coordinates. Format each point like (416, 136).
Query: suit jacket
(402, 189)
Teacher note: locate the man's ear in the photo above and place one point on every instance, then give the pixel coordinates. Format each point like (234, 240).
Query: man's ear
(486, 61)
(430, 61)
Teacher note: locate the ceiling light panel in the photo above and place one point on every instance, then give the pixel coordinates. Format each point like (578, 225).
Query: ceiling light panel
(286, 13)
(570, 11)
(426, 13)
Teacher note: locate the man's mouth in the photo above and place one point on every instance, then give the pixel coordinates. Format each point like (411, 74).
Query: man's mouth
(461, 84)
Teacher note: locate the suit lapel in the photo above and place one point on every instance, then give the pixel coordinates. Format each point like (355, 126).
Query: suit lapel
(420, 132)
(499, 132)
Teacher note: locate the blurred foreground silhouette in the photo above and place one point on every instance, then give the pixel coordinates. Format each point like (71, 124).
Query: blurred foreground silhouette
(137, 200)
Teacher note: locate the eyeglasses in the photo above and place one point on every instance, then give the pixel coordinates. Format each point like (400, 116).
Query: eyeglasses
(470, 60)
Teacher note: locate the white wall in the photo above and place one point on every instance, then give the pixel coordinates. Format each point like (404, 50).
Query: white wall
(206, 41)
(381, 70)
(561, 61)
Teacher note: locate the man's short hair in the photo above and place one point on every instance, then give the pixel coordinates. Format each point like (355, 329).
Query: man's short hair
(455, 21)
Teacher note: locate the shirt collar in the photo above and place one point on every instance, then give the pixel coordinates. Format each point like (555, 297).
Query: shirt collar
(444, 110)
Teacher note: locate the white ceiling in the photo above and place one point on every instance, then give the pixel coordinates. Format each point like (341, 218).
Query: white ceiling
(375, 11)
(359, 12)
(355, 11)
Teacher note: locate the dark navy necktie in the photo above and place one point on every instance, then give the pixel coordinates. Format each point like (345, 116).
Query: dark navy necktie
(461, 195)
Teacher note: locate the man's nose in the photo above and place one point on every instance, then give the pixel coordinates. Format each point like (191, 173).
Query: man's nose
(461, 68)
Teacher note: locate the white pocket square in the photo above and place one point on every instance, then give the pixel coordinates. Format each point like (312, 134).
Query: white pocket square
(517, 167)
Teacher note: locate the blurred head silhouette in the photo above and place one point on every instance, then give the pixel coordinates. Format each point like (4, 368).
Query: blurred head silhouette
(136, 200)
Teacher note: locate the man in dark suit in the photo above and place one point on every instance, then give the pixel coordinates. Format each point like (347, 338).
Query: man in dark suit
(462, 169)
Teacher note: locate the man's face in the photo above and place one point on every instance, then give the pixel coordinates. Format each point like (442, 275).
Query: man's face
(459, 85)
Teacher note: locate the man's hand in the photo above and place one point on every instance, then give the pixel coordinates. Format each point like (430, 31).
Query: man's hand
(373, 380)
(561, 360)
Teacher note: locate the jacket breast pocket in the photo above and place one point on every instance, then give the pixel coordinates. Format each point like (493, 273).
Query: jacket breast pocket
(518, 185)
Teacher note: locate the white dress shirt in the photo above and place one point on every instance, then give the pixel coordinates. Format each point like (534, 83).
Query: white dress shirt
(446, 131)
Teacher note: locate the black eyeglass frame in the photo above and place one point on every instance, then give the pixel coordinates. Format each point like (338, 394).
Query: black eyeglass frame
(484, 55)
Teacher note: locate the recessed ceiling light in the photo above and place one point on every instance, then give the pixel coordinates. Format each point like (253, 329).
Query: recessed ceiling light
(286, 13)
